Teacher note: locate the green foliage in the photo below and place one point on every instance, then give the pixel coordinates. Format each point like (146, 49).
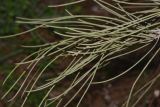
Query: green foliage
(11, 9)
(35, 99)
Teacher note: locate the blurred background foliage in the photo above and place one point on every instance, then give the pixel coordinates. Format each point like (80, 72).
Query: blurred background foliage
(10, 9)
